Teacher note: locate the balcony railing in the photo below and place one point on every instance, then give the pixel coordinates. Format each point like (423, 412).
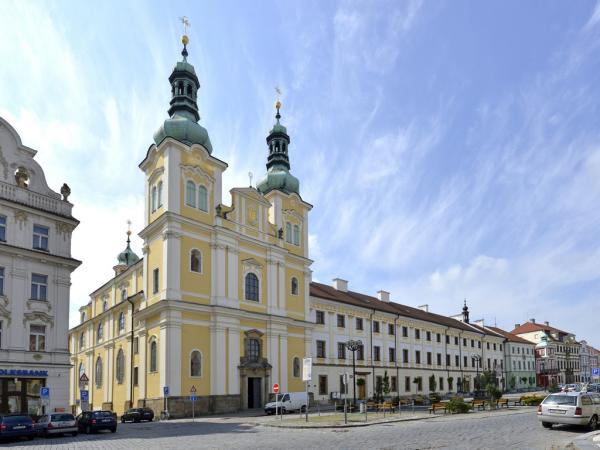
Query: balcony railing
(35, 199)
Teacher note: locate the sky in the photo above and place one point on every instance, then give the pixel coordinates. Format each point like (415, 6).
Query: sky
(451, 149)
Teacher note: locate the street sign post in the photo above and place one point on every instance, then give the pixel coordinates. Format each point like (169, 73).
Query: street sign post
(165, 395)
(193, 399)
(345, 381)
(276, 390)
(83, 381)
(306, 377)
(84, 395)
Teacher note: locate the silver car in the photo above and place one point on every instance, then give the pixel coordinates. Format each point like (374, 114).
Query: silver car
(57, 423)
(572, 408)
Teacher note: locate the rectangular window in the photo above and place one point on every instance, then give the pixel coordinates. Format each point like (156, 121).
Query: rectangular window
(320, 318)
(320, 349)
(404, 331)
(439, 359)
(448, 360)
(447, 339)
(155, 284)
(360, 353)
(465, 362)
(288, 232)
(456, 361)
(417, 357)
(323, 385)
(3, 228)
(377, 353)
(405, 355)
(379, 382)
(341, 321)
(488, 345)
(407, 384)
(375, 326)
(417, 334)
(472, 343)
(37, 338)
(359, 323)
(429, 358)
(392, 354)
(489, 363)
(296, 235)
(39, 286)
(391, 329)
(501, 348)
(428, 335)
(455, 340)
(450, 384)
(478, 344)
(438, 337)
(494, 347)
(472, 362)
(40, 238)
(135, 376)
(341, 350)
(136, 344)
(1, 280)
(394, 384)
(441, 383)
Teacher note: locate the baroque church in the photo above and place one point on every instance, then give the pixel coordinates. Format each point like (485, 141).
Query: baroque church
(218, 304)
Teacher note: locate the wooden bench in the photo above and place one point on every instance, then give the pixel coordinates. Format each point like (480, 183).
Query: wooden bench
(516, 402)
(386, 406)
(503, 402)
(433, 408)
(404, 402)
(479, 404)
(371, 405)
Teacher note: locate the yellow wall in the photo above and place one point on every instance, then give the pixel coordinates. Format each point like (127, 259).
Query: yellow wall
(195, 337)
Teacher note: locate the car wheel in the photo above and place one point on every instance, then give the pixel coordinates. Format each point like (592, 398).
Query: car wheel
(75, 433)
(122, 419)
(30, 438)
(137, 420)
(88, 429)
(546, 424)
(283, 411)
(593, 423)
(303, 409)
(113, 429)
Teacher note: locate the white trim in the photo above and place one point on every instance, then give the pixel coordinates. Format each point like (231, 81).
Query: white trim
(257, 273)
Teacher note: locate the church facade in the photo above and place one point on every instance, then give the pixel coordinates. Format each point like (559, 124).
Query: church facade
(219, 303)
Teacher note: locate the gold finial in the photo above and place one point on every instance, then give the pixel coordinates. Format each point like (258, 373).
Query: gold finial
(128, 227)
(186, 24)
(278, 102)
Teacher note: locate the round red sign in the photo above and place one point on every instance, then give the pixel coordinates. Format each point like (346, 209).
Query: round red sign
(275, 388)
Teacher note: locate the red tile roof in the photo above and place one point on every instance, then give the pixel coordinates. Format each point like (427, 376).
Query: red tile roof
(528, 327)
(510, 337)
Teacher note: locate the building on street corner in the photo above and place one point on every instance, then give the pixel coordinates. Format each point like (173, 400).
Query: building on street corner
(35, 278)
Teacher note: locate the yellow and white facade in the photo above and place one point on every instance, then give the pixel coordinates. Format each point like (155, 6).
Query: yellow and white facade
(220, 300)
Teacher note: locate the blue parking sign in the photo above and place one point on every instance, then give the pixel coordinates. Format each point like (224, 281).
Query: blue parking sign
(166, 391)
(45, 392)
(84, 395)
(193, 397)
(596, 372)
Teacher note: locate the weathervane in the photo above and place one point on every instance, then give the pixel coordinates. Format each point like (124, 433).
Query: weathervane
(186, 23)
(278, 102)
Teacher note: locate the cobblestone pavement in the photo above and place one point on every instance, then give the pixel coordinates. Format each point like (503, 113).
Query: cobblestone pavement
(515, 430)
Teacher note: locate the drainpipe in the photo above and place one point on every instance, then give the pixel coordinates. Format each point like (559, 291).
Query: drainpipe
(396, 354)
(460, 360)
(446, 353)
(372, 362)
(130, 300)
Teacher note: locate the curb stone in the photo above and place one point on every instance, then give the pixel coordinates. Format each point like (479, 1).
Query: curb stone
(587, 441)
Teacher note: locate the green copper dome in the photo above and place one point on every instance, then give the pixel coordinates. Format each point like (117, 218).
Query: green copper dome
(182, 124)
(184, 130)
(127, 257)
(280, 179)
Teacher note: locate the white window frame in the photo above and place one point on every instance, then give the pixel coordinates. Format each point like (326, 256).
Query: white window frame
(37, 335)
(159, 190)
(296, 234)
(201, 363)
(155, 281)
(190, 198)
(257, 273)
(39, 286)
(3, 227)
(205, 189)
(153, 198)
(151, 341)
(288, 232)
(121, 324)
(40, 238)
(292, 286)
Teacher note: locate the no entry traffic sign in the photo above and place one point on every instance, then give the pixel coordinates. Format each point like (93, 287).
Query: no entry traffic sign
(276, 388)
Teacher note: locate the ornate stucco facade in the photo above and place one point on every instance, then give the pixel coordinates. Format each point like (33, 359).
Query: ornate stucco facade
(35, 278)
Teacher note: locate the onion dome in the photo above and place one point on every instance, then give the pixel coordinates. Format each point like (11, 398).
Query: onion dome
(127, 257)
(182, 124)
(278, 163)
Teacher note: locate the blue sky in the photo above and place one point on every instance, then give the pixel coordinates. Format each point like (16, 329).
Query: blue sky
(450, 149)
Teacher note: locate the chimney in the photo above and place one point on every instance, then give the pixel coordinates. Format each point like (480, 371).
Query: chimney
(517, 325)
(547, 323)
(384, 296)
(424, 308)
(340, 285)
(532, 320)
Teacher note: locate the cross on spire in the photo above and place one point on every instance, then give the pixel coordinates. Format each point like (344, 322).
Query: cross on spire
(186, 23)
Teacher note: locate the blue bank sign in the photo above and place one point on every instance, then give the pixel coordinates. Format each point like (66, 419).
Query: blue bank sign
(23, 373)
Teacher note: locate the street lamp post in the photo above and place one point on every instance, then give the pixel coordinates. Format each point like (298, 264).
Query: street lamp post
(353, 346)
(477, 359)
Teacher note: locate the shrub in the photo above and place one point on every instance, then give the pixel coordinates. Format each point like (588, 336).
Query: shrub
(533, 400)
(458, 406)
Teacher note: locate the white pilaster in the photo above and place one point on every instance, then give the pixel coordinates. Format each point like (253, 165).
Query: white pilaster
(234, 361)
(170, 351)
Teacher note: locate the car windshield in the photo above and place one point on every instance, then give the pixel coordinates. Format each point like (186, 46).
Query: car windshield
(560, 400)
(16, 419)
(61, 417)
(103, 414)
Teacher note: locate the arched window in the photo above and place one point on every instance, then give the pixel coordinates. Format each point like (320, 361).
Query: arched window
(100, 332)
(81, 369)
(296, 367)
(253, 349)
(288, 232)
(120, 366)
(81, 341)
(180, 88)
(153, 198)
(104, 305)
(82, 317)
(251, 287)
(202, 198)
(190, 194)
(153, 355)
(195, 364)
(98, 376)
(195, 261)
(189, 90)
(160, 189)
(296, 235)
(122, 321)
(294, 286)
(123, 294)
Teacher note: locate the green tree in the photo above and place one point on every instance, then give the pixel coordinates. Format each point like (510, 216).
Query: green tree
(378, 390)
(512, 382)
(386, 383)
(432, 383)
(450, 381)
(493, 392)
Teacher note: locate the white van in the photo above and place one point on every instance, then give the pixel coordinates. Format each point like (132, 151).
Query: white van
(288, 401)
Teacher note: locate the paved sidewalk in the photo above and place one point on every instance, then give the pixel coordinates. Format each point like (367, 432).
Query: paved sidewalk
(589, 441)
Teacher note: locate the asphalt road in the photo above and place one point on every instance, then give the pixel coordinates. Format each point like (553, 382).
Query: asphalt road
(517, 430)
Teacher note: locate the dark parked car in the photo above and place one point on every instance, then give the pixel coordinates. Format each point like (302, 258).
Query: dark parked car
(137, 415)
(16, 425)
(57, 423)
(92, 421)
